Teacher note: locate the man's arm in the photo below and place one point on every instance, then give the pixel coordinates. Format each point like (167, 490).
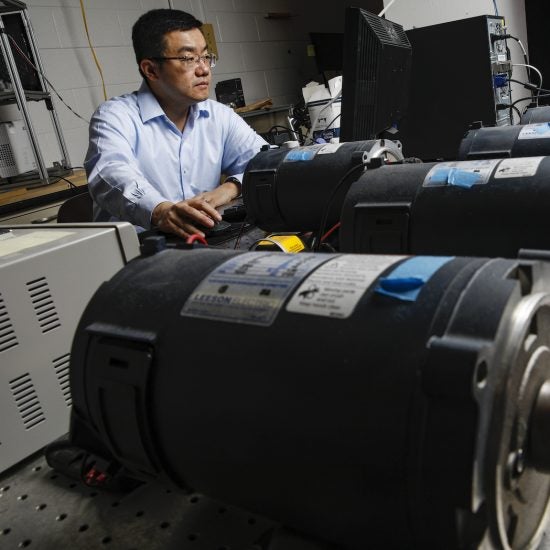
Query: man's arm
(242, 143)
(115, 179)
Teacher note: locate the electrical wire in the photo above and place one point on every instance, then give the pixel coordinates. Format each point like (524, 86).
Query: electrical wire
(496, 7)
(286, 129)
(529, 86)
(330, 231)
(239, 235)
(525, 58)
(29, 62)
(534, 69)
(320, 232)
(332, 122)
(527, 99)
(314, 123)
(83, 11)
(71, 184)
(196, 237)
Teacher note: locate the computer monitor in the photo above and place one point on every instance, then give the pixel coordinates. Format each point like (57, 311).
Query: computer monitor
(376, 72)
(329, 51)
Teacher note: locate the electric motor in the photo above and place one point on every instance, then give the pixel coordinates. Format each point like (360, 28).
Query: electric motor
(369, 401)
(291, 189)
(527, 140)
(536, 114)
(479, 208)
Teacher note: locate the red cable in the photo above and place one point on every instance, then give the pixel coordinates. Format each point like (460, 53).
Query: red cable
(331, 230)
(196, 237)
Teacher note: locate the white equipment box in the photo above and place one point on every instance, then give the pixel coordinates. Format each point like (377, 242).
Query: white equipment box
(47, 276)
(16, 154)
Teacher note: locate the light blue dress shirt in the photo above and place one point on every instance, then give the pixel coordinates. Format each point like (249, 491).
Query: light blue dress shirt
(137, 157)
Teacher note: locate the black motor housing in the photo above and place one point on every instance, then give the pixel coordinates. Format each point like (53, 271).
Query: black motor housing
(318, 391)
(529, 140)
(292, 189)
(478, 208)
(536, 114)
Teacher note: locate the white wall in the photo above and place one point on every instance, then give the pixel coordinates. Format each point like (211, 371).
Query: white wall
(269, 55)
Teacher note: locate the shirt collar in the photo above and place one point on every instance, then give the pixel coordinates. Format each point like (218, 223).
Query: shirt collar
(149, 106)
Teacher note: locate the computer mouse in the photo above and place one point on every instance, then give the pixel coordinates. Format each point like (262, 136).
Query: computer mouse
(218, 228)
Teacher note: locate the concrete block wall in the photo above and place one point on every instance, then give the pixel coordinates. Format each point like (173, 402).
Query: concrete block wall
(269, 55)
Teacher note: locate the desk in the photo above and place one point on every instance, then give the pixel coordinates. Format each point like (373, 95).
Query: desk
(263, 120)
(39, 204)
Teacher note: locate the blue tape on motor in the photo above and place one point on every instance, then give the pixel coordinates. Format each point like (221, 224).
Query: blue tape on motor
(300, 154)
(454, 176)
(463, 178)
(543, 128)
(440, 175)
(406, 281)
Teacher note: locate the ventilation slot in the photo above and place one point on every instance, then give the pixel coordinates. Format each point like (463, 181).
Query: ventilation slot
(43, 304)
(61, 366)
(27, 401)
(7, 159)
(7, 334)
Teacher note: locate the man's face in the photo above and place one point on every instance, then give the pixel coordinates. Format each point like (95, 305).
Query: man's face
(179, 81)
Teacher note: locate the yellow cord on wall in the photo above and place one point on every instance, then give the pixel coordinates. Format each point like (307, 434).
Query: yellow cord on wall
(92, 48)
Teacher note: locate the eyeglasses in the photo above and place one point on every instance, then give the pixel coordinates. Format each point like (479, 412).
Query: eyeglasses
(190, 61)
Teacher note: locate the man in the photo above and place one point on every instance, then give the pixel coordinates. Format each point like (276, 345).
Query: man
(156, 156)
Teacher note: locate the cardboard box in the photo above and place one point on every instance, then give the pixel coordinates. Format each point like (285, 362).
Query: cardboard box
(324, 106)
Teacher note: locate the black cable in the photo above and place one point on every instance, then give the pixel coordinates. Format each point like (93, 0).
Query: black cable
(239, 235)
(320, 232)
(327, 126)
(517, 111)
(527, 68)
(71, 184)
(525, 57)
(527, 99)
(286, 129)
(29, 62)
(529, 86)
(333, 121)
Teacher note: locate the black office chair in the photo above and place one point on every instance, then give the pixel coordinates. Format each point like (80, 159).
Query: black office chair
(76, 209)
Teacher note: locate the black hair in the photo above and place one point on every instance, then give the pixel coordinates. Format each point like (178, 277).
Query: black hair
(149, 30)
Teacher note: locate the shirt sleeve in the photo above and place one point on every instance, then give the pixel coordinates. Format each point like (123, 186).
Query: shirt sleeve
(242, 143)
(115, 180)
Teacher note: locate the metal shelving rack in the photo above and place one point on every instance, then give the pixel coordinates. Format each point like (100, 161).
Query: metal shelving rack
(10, 10)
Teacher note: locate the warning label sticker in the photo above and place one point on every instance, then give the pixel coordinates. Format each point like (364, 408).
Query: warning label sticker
(250, 288)
(336, 287)
(460, 173)
(518, 167)
(539, 130)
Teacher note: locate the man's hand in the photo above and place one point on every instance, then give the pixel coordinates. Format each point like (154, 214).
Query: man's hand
(179, 218)
(223, 194)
